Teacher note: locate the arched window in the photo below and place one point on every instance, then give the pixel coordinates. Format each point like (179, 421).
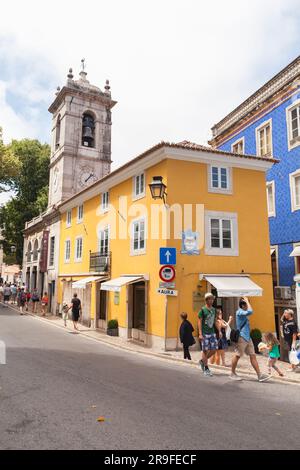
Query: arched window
(35, 250)
(88, 130)
(57, 132)
(29, 248)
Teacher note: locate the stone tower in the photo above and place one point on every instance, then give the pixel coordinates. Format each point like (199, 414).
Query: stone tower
(81, 137)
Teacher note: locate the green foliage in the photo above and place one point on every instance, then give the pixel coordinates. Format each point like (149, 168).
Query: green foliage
(112, 324)
(256, 334)
(9, 167)
(29, 181)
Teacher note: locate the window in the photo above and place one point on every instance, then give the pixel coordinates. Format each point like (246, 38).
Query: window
(35, 250)
(139, 186)
(274, 264)
(219, 179)
(80, 213)
(238, 146)
(221, 234)
(29, 250)
(293, 124)
(103, 242)
(69, 218)
(295, 190)
(264, 139)
(78, 249)
(67, 250)
(88, 130)
(104, 201)
(271, 198)
(52, 248)
(138, 241)
(57, 132)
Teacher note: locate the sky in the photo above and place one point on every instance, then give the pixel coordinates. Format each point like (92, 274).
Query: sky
(175, 67)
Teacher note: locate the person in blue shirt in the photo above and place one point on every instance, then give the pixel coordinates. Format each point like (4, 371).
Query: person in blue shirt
(245, 344)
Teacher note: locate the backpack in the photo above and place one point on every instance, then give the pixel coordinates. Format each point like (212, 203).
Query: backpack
(235, 334)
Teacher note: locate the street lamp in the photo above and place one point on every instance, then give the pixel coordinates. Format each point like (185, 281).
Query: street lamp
(158, 188)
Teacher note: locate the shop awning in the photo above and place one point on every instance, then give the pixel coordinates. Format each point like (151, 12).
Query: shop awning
(234, 286)
(296, 251)
(115, 285)
(81, 284)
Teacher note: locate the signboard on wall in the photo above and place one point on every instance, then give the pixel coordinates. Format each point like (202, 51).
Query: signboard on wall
(44, 251)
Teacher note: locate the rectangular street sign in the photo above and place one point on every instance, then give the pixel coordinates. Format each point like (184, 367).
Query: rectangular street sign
(167, 255)
(168, 292)
(167, 285)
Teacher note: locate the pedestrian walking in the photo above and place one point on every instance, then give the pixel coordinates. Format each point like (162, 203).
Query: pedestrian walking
(245, 344)
(6, 294)
(45, 301)
(222, 339)
(207, 335)
(65, 310)
(22, 299)
(289, 329)
(13, 289)
(272, 346)
(35, 298)
(76, 309)
(28, 297)
(186, 335)
(1, 292)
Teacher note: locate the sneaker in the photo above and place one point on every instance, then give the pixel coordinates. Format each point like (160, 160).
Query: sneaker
(201, 364)
(207, 373)
(235, 377)
(264, 377)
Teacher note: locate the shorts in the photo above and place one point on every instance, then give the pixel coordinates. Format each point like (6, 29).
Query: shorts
(209, 343)
(244, 347)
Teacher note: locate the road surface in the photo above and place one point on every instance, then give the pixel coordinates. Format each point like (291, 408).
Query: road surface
(56, 384)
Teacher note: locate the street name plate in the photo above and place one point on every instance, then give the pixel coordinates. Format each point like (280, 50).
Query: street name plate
(172, 292)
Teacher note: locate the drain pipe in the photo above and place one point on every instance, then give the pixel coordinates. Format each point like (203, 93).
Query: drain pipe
(166, 321)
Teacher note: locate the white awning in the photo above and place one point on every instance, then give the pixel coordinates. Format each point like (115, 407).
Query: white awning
(234, 286)
(81, 284)
(116, 284)
(296, 251)
(272, 250)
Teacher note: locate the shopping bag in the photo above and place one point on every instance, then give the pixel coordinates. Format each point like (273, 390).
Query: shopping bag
(293, 357)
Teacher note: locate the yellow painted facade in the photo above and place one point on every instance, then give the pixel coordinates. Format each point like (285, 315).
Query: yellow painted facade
(187, 183)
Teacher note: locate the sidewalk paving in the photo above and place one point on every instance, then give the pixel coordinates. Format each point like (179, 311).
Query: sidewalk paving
(244, 367)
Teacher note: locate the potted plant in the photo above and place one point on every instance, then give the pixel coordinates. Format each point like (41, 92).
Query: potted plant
(256, 337)
(113, 328)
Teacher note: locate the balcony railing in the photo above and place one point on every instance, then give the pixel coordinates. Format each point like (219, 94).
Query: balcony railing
(100, 263)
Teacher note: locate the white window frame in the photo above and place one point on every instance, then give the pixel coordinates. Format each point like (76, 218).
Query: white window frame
(139, 251)
(142, 194)
(105, 202)
(69, 218)
(76, 258)
(233, 217)
(219, 190)
(237, 142)
(67, 260)
(79, 213)
(288, 111)
(102, 230)
(51, 262)
(292, 176)
(272, 185)
(295, 258)
(257, 135)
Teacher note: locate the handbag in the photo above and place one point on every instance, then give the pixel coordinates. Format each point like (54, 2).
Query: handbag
(235, 334)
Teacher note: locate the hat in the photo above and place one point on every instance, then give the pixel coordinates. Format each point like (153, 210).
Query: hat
(208, 295)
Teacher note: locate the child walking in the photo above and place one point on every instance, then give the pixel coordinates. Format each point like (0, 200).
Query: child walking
(272, 346)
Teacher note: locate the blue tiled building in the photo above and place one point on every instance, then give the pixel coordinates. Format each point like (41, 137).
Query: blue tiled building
(268, 123)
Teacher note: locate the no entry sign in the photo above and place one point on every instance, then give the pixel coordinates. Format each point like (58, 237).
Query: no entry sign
(167, 273)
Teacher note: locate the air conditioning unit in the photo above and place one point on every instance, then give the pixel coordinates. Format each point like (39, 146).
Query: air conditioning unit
(281, 292)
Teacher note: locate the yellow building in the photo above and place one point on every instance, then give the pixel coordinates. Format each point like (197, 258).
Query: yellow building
(215, 216)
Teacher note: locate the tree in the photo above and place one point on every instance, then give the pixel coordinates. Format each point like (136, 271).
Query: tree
(30, 185)
(9, 167)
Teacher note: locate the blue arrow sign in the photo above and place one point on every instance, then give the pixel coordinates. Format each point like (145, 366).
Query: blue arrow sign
(167, 256)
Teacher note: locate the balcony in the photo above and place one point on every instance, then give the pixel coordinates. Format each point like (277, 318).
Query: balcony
(100, 263)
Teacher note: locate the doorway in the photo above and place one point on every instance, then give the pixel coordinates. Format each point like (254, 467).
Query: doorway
(138, 312)
(101, 312)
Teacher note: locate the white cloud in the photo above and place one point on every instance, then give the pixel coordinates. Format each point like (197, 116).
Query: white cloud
(175, 67)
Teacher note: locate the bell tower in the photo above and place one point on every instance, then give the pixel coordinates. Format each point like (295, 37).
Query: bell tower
(81, 136)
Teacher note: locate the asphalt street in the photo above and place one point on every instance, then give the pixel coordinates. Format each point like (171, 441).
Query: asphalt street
(56, 384)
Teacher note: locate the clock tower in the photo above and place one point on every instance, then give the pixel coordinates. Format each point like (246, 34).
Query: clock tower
(81, 137)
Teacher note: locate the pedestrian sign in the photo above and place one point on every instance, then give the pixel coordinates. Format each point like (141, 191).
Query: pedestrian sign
(167, 255)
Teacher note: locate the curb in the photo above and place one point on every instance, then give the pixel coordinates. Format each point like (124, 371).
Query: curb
(165, 356)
